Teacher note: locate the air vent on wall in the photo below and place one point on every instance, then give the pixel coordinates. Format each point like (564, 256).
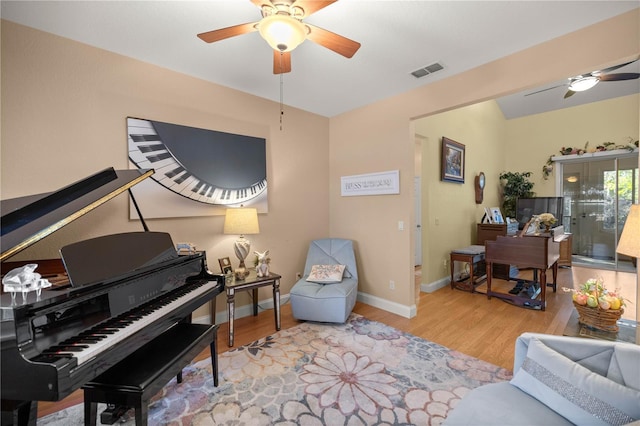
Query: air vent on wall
(429, 69)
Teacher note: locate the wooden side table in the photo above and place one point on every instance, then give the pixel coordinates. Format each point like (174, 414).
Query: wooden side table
(252, 282)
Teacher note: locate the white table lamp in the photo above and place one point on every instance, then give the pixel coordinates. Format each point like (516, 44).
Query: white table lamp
(629, 244)
(242, 221)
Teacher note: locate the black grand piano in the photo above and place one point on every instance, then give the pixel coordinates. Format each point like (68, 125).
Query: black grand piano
(123, 290)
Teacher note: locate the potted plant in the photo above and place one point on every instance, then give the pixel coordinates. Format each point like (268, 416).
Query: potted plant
(516, 185)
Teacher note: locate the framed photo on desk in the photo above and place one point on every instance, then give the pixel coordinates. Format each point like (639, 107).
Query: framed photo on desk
(496, 215)
(225, 265)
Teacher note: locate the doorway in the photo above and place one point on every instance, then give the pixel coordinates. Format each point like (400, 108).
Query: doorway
(598, 193)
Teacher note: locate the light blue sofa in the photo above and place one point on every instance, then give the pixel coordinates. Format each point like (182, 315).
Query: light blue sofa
(549, 367)
(311, 301)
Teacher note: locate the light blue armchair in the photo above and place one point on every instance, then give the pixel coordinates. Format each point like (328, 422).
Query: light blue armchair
(327, 302)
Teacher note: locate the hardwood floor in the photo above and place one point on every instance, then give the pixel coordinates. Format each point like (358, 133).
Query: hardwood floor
(469, 323)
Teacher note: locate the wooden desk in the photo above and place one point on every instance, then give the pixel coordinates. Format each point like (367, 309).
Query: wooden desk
(252, 282)
(539, 252)
(489, 232)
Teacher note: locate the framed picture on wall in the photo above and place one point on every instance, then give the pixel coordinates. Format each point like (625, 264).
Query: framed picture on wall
(198, 172)
(452, 161)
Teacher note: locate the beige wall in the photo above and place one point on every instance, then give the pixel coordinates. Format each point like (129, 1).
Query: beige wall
(63, 111)
(534, 138)
(493, 145)
(449, 211)
(381, 137)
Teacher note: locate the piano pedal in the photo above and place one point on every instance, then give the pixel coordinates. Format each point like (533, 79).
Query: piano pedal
(112, 413)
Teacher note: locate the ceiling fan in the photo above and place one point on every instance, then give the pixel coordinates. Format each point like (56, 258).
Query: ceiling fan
(584, 82)
(282, 27)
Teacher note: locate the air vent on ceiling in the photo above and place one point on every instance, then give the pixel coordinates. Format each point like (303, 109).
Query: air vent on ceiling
(429, 69)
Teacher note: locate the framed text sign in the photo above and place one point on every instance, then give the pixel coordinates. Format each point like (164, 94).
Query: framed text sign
(380, 183)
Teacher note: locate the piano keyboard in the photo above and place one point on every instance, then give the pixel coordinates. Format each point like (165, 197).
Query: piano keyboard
(147, 151)
(90, 343)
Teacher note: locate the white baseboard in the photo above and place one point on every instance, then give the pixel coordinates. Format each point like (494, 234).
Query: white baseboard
(436, 285)
(377, 302)
(393, 307)
(241, 311)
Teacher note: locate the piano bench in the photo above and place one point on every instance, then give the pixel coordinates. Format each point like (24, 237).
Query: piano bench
(136, 379)
(474, 256)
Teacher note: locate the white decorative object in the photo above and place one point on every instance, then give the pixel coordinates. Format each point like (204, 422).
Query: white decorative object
(536, 224)
(241, 221)
(371, 184)
(24, 280)
(263, 263)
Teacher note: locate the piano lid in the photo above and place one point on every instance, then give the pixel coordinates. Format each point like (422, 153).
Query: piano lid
(27, 220)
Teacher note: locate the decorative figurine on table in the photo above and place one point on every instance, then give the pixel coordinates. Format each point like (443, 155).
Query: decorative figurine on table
(263, 263)
(24, 280)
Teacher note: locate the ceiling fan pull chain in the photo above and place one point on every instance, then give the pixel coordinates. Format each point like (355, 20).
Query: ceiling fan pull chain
(281, 91)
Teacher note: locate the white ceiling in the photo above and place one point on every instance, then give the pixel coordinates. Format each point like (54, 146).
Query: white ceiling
(397, 38)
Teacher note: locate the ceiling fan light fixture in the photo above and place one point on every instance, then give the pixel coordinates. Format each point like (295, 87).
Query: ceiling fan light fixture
(581, 84)
(282, 32)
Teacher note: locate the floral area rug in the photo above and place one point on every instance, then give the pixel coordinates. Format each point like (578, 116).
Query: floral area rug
(359, 373)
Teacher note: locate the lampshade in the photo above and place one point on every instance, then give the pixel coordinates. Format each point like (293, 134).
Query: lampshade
(241, 221)
(581, 84)
(629, 243)
(282, 32)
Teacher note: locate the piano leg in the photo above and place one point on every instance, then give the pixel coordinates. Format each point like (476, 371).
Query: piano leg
(19, 413)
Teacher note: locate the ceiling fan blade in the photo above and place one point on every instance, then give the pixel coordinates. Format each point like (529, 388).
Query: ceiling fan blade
(544, 90)
(312, 6)
(619, 76)
(333, 41)
(221, 34)
(615, 67)
(281, 62)
(259, 3)
(569, 94)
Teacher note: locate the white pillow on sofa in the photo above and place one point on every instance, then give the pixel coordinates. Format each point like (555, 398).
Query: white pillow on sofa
(326, 274)
(573, 391)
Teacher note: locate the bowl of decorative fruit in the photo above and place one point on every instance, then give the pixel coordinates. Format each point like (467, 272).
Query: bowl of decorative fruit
(597, 306)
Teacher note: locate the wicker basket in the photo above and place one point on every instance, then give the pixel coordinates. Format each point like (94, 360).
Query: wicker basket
(599, 318)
